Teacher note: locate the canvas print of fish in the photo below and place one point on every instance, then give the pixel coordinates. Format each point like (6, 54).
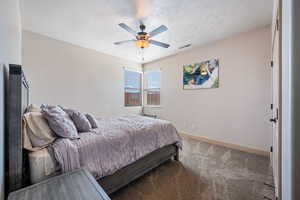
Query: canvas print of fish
(201, 75)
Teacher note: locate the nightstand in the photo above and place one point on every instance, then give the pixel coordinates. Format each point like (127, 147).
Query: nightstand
(75, 185)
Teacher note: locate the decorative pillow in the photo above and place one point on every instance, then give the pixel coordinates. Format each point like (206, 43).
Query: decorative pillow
(80, 120)
(37, 133)
(59, 121)
(93, 121)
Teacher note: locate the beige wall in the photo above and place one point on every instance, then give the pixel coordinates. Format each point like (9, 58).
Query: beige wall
(10, 53)
(238, 111)
(10, 32)
(64, 74)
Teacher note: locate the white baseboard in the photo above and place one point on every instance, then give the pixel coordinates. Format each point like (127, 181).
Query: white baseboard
(225, 144)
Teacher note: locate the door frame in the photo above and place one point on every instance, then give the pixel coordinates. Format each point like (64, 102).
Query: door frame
(277, 109)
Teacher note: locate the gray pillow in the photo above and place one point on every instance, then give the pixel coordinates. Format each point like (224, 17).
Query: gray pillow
(80, 120)
(59, 121)
(93, 121)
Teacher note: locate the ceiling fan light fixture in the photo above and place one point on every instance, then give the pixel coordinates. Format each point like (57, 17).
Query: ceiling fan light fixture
(142, 43)
(142, 38)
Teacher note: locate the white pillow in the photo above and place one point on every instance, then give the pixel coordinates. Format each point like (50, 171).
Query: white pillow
(37, 133)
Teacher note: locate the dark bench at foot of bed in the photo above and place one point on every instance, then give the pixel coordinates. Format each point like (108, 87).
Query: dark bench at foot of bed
(76, 185)
(131, 172)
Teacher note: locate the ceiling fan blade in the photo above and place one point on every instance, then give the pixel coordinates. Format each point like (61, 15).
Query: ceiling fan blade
(122, 42)
(127, 28)
(158, 30)
(161, 44)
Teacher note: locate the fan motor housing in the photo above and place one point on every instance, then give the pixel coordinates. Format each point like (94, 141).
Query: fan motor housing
(142, 36)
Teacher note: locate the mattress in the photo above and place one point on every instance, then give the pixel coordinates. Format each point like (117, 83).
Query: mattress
(42, 165)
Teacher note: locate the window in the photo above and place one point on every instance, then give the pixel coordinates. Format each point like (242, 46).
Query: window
(133, 89)
(152, 90)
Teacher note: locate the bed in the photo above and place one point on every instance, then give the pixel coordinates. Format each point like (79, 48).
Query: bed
(18, 168)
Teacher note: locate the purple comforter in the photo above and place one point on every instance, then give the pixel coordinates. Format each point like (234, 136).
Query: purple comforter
(118, 142)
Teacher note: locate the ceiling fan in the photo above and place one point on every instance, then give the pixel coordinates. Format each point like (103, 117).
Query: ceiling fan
(142, 38)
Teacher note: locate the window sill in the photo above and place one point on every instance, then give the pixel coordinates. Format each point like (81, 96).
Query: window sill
(152, 106)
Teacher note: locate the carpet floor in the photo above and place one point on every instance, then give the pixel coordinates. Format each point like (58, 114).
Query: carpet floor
(205, 172)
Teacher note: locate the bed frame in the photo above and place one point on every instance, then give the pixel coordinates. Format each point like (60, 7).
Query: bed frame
(17, 168)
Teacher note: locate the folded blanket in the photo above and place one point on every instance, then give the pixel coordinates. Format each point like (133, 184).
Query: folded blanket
(116, 143)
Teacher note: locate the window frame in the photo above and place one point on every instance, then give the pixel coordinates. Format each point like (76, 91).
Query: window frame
(147, 89)
(130, 88)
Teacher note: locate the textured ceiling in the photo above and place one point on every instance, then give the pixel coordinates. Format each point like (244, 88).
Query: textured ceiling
(94, 23)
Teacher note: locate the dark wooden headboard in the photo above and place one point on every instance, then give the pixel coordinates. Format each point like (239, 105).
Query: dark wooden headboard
(17, 102)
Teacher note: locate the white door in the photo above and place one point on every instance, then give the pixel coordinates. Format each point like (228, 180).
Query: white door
(276, 109)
